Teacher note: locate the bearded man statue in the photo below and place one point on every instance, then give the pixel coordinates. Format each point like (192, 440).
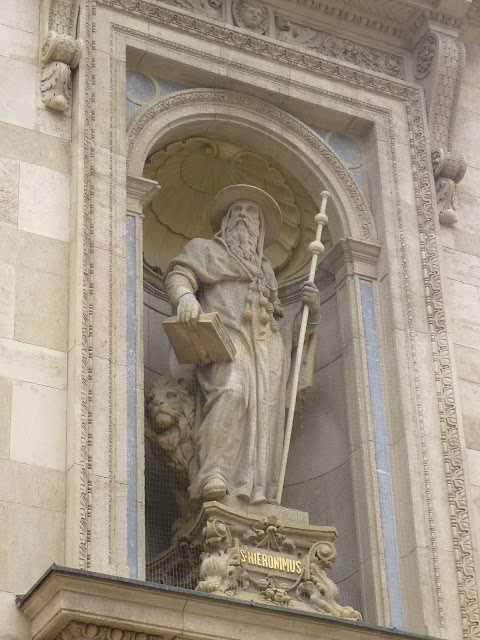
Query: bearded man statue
(239, 430)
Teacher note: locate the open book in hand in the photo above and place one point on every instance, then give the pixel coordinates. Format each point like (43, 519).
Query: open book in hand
(208, 342)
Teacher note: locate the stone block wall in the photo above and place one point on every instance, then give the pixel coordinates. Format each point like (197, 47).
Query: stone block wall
(34, 267)
(461, 251)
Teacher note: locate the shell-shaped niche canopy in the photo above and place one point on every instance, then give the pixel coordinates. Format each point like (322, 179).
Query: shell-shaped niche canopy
(192, 171)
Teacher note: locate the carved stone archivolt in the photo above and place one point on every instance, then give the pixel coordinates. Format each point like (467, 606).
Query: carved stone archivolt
(60, 54)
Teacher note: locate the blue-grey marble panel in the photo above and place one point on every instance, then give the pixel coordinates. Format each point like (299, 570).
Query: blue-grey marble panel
(131, 402)
(387, 515)
(139, 86)
(345, 147)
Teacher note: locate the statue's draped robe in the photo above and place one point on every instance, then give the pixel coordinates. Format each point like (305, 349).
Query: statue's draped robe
(241, 436)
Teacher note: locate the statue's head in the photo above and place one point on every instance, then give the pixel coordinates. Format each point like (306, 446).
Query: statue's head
(246, 213)
(252, 14)
(249, 206)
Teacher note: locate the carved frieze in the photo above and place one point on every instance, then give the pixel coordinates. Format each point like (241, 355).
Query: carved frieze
(339, 48)
(60, 54)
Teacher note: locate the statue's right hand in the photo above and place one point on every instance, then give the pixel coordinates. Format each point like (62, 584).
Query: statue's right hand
(188, 310)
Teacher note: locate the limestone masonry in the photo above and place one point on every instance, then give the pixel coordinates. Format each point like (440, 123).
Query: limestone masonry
(143, 497)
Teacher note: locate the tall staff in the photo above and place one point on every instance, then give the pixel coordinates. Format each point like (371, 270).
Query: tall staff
(316, 249)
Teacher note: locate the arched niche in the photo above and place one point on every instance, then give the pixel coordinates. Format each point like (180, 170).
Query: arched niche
(320, 474)
(265, 128)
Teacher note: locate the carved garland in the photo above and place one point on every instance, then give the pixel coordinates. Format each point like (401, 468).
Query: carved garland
(452, 451)
(197, 96)
(339, 48)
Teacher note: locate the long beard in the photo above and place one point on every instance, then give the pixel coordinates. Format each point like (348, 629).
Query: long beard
(242, 242)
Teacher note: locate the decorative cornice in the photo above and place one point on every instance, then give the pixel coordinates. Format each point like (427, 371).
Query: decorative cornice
(360, 14)
(292, 36)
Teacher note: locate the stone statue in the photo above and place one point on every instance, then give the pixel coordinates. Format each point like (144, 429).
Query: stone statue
(239, 430)
(251, 15)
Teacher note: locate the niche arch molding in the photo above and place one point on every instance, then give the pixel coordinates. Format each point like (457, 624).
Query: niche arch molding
(211, 112)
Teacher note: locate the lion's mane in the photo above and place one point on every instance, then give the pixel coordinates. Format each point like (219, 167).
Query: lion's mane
(170, 412)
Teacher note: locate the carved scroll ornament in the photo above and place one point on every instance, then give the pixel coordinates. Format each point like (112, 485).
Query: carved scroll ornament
(440, 62)
(265, 563)
(60, 54)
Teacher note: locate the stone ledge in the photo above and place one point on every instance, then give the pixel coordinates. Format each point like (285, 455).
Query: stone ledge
(64, 596)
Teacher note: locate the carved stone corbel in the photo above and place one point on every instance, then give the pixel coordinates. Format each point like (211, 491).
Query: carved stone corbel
(439, 66)
(60, 54)
(448, 170)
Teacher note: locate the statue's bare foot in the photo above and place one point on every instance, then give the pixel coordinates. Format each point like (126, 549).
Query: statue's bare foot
(214, 489)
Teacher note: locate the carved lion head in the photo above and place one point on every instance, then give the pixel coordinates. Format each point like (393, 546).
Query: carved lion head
(170, 412)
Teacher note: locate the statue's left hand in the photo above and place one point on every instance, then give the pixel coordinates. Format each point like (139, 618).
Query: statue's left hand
(311, 298)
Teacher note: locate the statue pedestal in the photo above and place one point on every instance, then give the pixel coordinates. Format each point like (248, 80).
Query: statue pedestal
(261, 553)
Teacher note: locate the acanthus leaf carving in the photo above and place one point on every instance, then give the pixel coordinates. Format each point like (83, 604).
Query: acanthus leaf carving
(255, 560)
(60, 54)
(221, 569)
(448, 170)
